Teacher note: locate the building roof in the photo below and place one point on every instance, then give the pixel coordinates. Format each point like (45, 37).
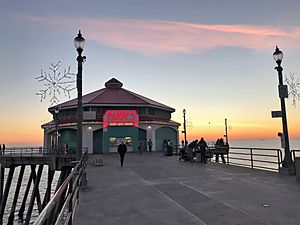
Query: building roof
(113, 94)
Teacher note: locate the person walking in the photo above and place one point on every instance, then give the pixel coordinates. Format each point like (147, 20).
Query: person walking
(202, 146)
(150, 144)
(122, 149)
(140, 148)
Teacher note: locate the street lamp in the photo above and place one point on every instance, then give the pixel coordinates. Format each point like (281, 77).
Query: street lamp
(283, 93)
(226, 132)
(184, 127)
(79, 45)
(56, 111)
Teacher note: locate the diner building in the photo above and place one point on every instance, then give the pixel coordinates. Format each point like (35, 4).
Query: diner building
(111, 115)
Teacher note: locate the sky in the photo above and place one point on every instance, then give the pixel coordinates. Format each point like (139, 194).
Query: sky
(212, 58)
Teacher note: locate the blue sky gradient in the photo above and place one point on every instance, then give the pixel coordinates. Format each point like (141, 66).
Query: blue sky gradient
(213, 58)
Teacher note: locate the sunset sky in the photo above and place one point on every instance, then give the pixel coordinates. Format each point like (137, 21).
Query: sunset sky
(213, 58)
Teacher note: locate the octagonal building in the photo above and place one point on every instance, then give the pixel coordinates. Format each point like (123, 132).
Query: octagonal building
(111, 115)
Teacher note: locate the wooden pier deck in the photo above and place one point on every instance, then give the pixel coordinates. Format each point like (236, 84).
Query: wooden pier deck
(154, 189)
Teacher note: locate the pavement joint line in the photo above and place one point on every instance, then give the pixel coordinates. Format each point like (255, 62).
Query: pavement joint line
(225, 203)
(180, 206)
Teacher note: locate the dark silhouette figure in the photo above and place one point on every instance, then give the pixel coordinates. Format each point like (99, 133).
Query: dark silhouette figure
(67, 148)
(220, 147)
(150, 144)
(122, 149)
(140, 148)
(192, 149)
(202, 146)
(169, 148)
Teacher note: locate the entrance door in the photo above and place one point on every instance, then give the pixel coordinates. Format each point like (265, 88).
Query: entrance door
(115, 141)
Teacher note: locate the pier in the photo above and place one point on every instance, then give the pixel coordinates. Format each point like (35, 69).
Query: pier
(154, 189)
(66, 192)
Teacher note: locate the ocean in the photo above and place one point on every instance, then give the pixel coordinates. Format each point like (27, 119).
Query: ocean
(265, 143)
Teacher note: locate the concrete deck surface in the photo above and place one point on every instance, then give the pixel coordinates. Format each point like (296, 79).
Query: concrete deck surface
(154, 189)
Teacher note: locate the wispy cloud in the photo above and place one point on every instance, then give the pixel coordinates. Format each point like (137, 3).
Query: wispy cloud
(169, 37)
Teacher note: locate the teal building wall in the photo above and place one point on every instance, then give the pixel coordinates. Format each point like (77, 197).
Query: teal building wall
(165, 133)
(98, 141)
(120, 132)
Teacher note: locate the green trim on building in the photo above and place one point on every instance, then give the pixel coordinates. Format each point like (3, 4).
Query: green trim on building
(164, 134)
(67, 136)
(98, 141)
(120, 132)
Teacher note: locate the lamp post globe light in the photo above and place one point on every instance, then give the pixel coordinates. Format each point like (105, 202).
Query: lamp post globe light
(79, 42)
(283, 93)
(184, 128)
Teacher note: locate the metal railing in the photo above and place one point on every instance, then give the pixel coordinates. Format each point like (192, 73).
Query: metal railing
(35, 151)
(260, 158)
(68, 193)
(295, 153)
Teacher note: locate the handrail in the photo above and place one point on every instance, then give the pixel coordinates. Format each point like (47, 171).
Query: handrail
(293, 153)
(71, 183)
(256, 158)
(35, 151)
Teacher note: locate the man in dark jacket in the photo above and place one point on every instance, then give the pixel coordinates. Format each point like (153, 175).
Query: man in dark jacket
(202, 146)
(122, 149)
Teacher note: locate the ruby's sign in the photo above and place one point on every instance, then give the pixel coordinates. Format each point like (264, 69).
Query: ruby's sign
(120, 118)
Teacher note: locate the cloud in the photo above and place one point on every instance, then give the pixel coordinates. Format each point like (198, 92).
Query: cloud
(171, 37)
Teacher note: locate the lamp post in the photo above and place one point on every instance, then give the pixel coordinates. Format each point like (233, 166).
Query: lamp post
(184, 127)
(79, 45)
(226, 132)
(56, 111)
(283, 93)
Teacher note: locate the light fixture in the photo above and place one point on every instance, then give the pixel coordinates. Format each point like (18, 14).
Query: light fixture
(278, 55)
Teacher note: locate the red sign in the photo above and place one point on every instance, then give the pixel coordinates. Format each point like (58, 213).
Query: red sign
(120, 118)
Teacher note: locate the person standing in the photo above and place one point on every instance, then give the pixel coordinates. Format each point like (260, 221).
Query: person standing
(222, 147)
(202, 146)
(140, 148)
(150, 144)
(122, 149)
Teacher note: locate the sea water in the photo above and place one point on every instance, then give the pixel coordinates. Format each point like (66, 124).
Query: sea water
(265, 143)
(42, 190)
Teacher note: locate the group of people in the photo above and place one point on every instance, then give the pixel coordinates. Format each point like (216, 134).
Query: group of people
(221, 147)
(2, 149)
(141, 146)
(198, 150)
(195, 148)
(122, 149)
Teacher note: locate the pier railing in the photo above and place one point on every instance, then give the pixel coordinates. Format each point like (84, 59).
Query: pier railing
(31, 151)
(260, 158)
(296, 154)
(61, 207)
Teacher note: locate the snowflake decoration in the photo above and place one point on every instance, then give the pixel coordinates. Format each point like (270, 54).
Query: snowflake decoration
(56, 83)
(294, 87)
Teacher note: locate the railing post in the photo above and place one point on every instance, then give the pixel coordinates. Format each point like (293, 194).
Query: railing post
(251, 155)
(71, 201)
(293, 160)
(228, 156)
